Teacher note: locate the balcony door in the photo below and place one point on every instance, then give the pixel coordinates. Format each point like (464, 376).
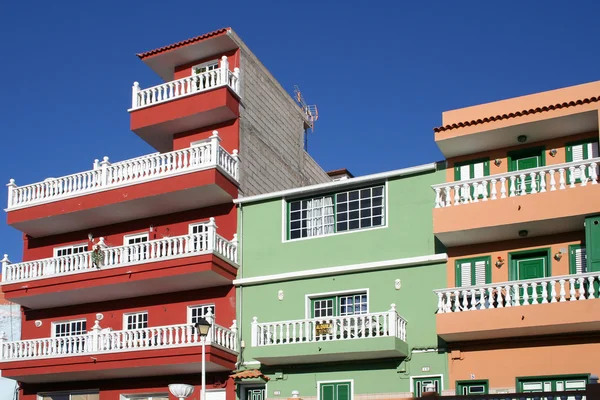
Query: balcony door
(137, 250)
(522, 160)
(472, 169)
(423, 384)
(530, 265)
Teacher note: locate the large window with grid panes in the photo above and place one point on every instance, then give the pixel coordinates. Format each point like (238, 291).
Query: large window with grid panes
(339, 305)
(137, 320)
(69, 328)
(69, 250)
(200, 311)
(334, 213)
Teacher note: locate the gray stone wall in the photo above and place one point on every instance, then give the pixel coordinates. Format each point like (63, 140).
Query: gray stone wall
(271, 134)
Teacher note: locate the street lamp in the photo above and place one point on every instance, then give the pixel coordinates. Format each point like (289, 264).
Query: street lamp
(203, 326)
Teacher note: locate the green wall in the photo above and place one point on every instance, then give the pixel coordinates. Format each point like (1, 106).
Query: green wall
(409, 233)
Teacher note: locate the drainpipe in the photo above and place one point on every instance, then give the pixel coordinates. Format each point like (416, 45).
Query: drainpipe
(238, 364)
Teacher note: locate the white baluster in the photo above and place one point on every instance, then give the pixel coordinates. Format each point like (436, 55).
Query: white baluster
(533, 177)
(572, 177)
(513, 186)
(552, 180)
(544, 292)
(523, 185)
(542, 181)
(572, 289)
(562, 291)
(553, 291)
(494, 191)
(561, 179)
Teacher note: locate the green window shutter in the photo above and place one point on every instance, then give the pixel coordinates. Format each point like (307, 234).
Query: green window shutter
(473, 271)
(577, 259)
(335, 391)
(328, 391)
(343, 391)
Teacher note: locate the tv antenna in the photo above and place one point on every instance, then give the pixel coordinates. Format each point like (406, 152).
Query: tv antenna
(311, 112)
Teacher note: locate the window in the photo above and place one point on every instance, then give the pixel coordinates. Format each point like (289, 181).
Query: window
(422, 384)
(335, 390)
(580, 151)
(72, 249)
(70, 396)
(139, 252)
(472, 169)
(153, 396)
(136, 320)
(345, 211)
(196, 312)
(199, 240)
(69, 328)
(577, 259)
(205, 67)
(552, 383)
(473, 271)
(340, 305)
(254, 392)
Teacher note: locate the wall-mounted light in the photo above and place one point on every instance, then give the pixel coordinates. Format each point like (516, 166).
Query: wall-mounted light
(523, 233)
(151, 228)
(91, 237)
(522, 139)
(280, 295)
(560, 254)
(397, 284)
(553, 152)
(499, 262)
(497, 162)
(38, 323)
(99, 317)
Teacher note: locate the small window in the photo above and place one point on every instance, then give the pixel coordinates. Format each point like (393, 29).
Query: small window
(205, 67)
(197, 312)
(335, 390)
(199, 241)
(341, 305)
(72, 249)
(473, 271)
(69, 328)
(577, 259)
(69, 396)
(344, 211)
(136, 320)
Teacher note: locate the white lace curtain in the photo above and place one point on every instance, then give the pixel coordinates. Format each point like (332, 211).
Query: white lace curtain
(319, 216)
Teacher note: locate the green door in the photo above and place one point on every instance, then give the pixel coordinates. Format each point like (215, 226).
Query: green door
(592, 243)
(421, 384)
(551, 383)
(255, 393)
(464, 388)
(335, 391)
(531, 268)
(524, 160)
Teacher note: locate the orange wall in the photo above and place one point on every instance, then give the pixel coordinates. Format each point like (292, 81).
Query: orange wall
(233, 56)
(171, 225)
(501, 249)
(502, 154)
(502, 362)
(166, 309)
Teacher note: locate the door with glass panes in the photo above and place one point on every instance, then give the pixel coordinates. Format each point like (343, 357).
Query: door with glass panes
(254, 392)
(552, 383)
(581, 151)
(468, 170)
(326, 313)
(136, 248)
(472, 272)
(424, 384)
(523, 160)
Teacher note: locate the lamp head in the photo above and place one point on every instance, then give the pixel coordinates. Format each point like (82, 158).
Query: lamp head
(202, 326)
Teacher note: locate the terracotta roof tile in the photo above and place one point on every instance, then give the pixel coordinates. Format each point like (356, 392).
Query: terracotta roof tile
(182, 43)
(249, 374)
(339, 172)
(521, 113)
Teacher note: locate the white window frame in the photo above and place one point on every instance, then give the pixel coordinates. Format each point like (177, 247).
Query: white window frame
(127, 238)
(136, 396)
(71, 246)
(336, 381)
(192, 225)
(284, 214)
(40, 396)
(309, 297)
(189, 310)
(134, 313)
(205, 64)
(441, 376)
(69, 321)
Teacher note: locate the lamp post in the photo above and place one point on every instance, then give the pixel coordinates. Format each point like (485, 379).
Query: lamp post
(203, 326)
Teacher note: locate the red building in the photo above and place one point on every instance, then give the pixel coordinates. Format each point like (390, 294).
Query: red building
(120, 261)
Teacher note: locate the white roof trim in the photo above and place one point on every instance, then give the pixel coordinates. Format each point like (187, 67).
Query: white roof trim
(337, 184)
(344, 269)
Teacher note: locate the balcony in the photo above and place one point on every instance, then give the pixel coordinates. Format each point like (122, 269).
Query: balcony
(161, 183)
(183, 104)
(353, 337)
(107, 354)
(496, 207)
(172, 264)
(543, 306)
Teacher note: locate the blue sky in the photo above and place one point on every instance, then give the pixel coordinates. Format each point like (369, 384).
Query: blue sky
(381, 72)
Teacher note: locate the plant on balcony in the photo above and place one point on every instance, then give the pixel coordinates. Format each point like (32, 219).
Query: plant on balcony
(97, 256)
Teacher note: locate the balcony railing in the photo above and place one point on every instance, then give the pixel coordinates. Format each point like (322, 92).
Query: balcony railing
(187, 86)
(207, 241)
(106, 341)
(518, 183)
(312, 330)
(106, 175)
(554, 289)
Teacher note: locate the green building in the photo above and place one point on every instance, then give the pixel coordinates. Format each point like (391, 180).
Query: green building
(335, 290)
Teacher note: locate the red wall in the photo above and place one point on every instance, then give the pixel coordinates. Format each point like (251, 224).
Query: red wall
(184, 70)
(228, 132)
(165, 309)
(171, 224)
(112, 389)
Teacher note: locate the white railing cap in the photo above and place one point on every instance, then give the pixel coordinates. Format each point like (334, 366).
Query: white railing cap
(371, 314)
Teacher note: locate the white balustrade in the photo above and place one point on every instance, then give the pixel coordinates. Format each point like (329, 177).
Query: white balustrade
(518, 183)
(106, 175)
(107, 341)
(206, 241)
(197, 83)
(553, 289)
(350, 327)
